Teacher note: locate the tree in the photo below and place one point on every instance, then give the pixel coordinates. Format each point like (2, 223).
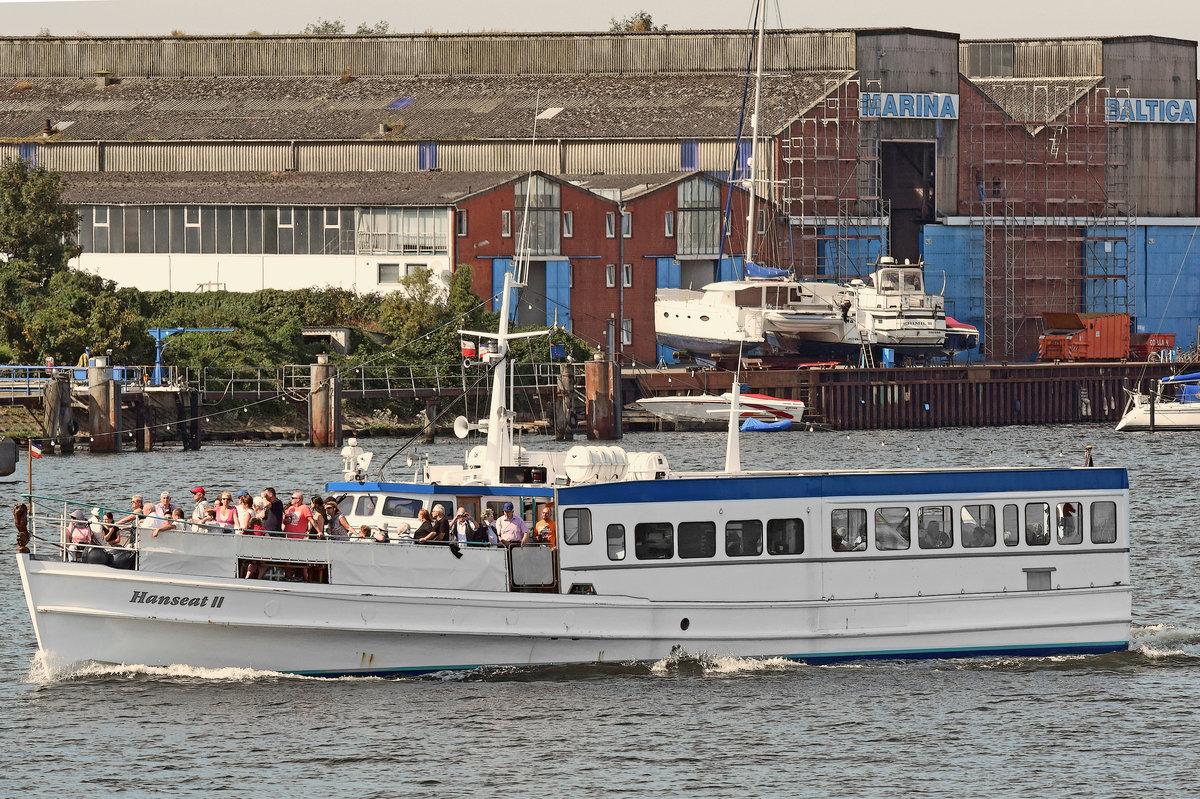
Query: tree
(37, 228)
(380, 28)
(325, 27)
(80, 310)
(635, 23)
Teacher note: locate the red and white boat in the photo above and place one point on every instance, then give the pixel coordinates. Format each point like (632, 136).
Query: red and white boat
(715, 408)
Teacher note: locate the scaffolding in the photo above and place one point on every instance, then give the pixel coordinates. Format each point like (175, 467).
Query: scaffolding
(1051, 226)
(831, 187)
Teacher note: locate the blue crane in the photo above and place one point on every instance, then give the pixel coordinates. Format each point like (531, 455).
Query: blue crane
(161, 334)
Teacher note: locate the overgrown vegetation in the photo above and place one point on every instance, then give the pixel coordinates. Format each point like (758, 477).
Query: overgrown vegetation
(53, 311)
(641, 22)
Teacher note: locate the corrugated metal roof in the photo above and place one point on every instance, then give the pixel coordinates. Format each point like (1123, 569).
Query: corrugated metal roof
(275, 188)
(1036, 101)
(444, 108)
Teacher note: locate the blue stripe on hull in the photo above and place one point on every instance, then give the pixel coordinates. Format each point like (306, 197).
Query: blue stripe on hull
(1039, 650)
(848, 485)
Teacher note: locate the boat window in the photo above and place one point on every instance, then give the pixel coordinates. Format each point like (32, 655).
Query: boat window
(577, 526)
(935, 528)
(785, 536)
(978, 524)
(697, 539)
(1037, 524)
(743, 539)
(401, 506)
(889, 281)
(366, 505)
(1070, 523)
(892, 528)
(1012, 526)
(616, 542)
(849, 529)
(1104, 522)
(653, 541)
(911, 279)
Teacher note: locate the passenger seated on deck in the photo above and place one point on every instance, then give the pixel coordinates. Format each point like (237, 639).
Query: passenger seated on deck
(424, 531)
(110, 530)
(363, 533)
(177, 522)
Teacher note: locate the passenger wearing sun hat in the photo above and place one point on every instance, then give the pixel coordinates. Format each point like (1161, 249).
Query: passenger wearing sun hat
(512, 529)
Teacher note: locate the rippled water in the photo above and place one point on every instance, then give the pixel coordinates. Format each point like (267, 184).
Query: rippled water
(1114, 725)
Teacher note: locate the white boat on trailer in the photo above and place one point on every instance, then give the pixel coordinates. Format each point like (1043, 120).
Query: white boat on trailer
(811, 565)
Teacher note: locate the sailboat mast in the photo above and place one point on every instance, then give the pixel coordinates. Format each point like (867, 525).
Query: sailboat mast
(751, 222)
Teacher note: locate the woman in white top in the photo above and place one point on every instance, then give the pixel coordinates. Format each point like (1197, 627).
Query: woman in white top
(245, 510)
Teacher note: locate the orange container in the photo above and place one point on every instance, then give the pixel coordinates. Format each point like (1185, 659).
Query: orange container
(1084, 337)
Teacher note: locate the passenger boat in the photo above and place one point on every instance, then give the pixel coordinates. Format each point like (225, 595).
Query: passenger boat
(1174, 405)
(650, 561)
(715, 407)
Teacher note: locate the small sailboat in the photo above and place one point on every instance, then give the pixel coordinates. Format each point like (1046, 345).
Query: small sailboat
(1173, 404)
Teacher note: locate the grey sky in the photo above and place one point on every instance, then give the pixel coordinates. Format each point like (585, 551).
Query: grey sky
(1013, 18)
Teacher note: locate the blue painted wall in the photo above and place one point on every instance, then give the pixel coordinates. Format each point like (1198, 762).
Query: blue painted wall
(1167, 281)
(499, 267)
(667, 276)
(857, 256)
(947, 253)
(558, 293)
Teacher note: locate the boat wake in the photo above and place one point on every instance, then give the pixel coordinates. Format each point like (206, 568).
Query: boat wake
(1161, 641)
(43, 671)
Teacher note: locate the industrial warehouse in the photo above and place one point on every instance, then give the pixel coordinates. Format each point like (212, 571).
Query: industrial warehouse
(1030, 176)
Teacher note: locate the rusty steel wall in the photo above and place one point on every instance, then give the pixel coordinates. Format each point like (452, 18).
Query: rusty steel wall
(447, 54)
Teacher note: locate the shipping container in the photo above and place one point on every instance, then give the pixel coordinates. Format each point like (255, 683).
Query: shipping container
(1084, 337)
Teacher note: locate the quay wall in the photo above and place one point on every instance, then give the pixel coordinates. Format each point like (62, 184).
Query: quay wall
(950, 396)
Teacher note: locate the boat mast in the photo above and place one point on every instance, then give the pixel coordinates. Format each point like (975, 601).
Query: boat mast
(500, 431)
(751, 224)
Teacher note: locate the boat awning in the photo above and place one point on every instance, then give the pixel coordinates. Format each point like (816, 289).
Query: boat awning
(1182, 378)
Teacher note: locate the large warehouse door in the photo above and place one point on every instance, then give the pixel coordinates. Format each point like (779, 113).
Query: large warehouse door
(908, 184)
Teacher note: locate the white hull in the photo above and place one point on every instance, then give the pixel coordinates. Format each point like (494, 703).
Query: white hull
(710, 408)
(1167, 415)
(86, 613)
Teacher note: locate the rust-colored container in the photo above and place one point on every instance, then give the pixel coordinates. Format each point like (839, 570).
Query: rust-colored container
(1084, 337)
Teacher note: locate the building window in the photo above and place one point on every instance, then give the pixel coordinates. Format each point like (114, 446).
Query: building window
(100, 215)
(669, 225)
(389, 274)
(627, 276)
(460, 222)
(762, 221)
(689, 155)
(570, 275)
(626, 332)
(610, 275)
(698, 226)
(568, 224)
(191, 216)
(506, 224)
(610, 225)
(426, 156)
(653, 541)
(333, 218)
(285, 217)
(627, 224)
(577, 526)
(541, 198)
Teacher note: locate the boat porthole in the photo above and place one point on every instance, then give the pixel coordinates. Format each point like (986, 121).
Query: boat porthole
(684, 624)
(703, 318)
